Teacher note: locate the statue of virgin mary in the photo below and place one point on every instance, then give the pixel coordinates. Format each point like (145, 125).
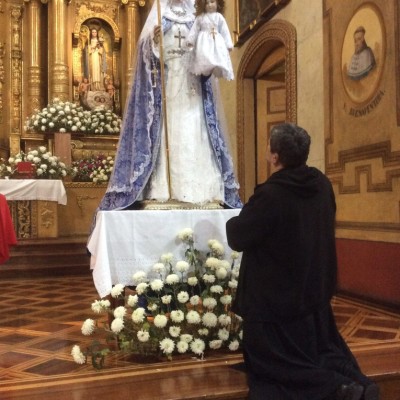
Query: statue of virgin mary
(183, 157)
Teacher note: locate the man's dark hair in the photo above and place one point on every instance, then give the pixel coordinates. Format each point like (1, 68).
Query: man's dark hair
(291, 143)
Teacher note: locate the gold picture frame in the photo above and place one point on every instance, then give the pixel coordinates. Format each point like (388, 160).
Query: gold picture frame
(251, 14)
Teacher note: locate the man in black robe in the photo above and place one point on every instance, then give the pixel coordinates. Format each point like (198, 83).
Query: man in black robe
(291, 345)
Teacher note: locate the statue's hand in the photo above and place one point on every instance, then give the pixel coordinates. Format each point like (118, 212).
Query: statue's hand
(157, 32)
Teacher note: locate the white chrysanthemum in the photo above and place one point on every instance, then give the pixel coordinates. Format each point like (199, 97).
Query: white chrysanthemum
(141, 288)
(120, 312)
(117, 290)
(167, 346)
(182, 266)
(225, 264)
(215, 344)
(105, 303)
(177, 316)
(97, 307)
(212, 262)
(183, 297)
(152, 306)
(171, 279)
(138, 315)
(182, 347)
(193, 317)
(224, 319)
(167, 258)
(208, 278)
(233, 283)
(195, 300)
(197, 346)
(223, 334)
(139, 277)
(160, 321)
(209, 303)
(166, 299)
(157, 285)
(159, 268)
(193, 281)
(186, 337)
(77, 355)
(234, 345)
(174, 331)
(235, 272)
(143, 336)
(133, 300)
(221, 273)
(203, 332)
(216, 289)
(234, 255)
(217, 248)
(209, 319)
(226, 299)
(117, 325)
(186, 234)
(88, 327)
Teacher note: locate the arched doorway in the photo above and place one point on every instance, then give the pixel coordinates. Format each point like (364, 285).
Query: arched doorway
(266, 95)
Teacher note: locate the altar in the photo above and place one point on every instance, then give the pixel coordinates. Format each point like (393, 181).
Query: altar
(33, 206)
(124, 242)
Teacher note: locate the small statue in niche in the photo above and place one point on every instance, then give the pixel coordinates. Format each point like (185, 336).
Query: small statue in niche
(84, 87)
(94, 54)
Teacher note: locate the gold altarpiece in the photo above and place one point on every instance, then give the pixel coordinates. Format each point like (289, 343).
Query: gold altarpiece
(42, 57)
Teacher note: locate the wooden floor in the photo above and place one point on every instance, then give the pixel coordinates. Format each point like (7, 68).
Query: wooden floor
(40, 321)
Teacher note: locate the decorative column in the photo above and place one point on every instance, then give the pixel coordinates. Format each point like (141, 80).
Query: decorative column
(35, 69)
(130, 39)
(58, 58)
(2, 77)
(16, 79)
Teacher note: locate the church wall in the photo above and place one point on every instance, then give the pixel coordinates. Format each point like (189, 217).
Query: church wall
(308, 24)
(362, 131)
(355, 142)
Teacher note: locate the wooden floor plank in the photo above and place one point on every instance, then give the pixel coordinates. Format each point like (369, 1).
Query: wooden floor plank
(41, 321)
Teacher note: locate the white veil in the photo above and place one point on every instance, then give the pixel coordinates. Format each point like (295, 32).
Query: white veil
(152, 18)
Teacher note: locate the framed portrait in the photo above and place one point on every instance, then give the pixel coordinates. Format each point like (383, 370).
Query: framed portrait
(363, 53)
(251, 14)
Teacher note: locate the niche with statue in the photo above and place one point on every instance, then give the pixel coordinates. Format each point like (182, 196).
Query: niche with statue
(95, 56)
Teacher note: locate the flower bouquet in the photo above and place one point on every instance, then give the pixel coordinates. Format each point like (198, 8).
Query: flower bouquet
(95, 169)
(60, 116)
(179, 307)
(44, 165)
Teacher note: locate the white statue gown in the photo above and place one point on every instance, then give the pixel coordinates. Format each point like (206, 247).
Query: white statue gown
(212, 41)
(194, 173)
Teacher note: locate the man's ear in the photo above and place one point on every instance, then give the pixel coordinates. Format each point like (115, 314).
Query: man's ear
(275, 158)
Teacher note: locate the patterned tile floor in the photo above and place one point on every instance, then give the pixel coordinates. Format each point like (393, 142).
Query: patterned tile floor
(40, 321)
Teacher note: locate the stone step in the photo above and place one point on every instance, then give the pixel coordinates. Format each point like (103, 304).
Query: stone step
(52, 257)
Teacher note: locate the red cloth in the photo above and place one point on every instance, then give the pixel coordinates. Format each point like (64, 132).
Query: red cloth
(7, 233)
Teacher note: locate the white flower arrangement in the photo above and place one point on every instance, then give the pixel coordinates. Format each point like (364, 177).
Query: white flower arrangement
(65, 116)
(177, 308)
(45, 165)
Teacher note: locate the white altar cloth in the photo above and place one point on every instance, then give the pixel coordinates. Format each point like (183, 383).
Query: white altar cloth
(124, 242)
(34, 189)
